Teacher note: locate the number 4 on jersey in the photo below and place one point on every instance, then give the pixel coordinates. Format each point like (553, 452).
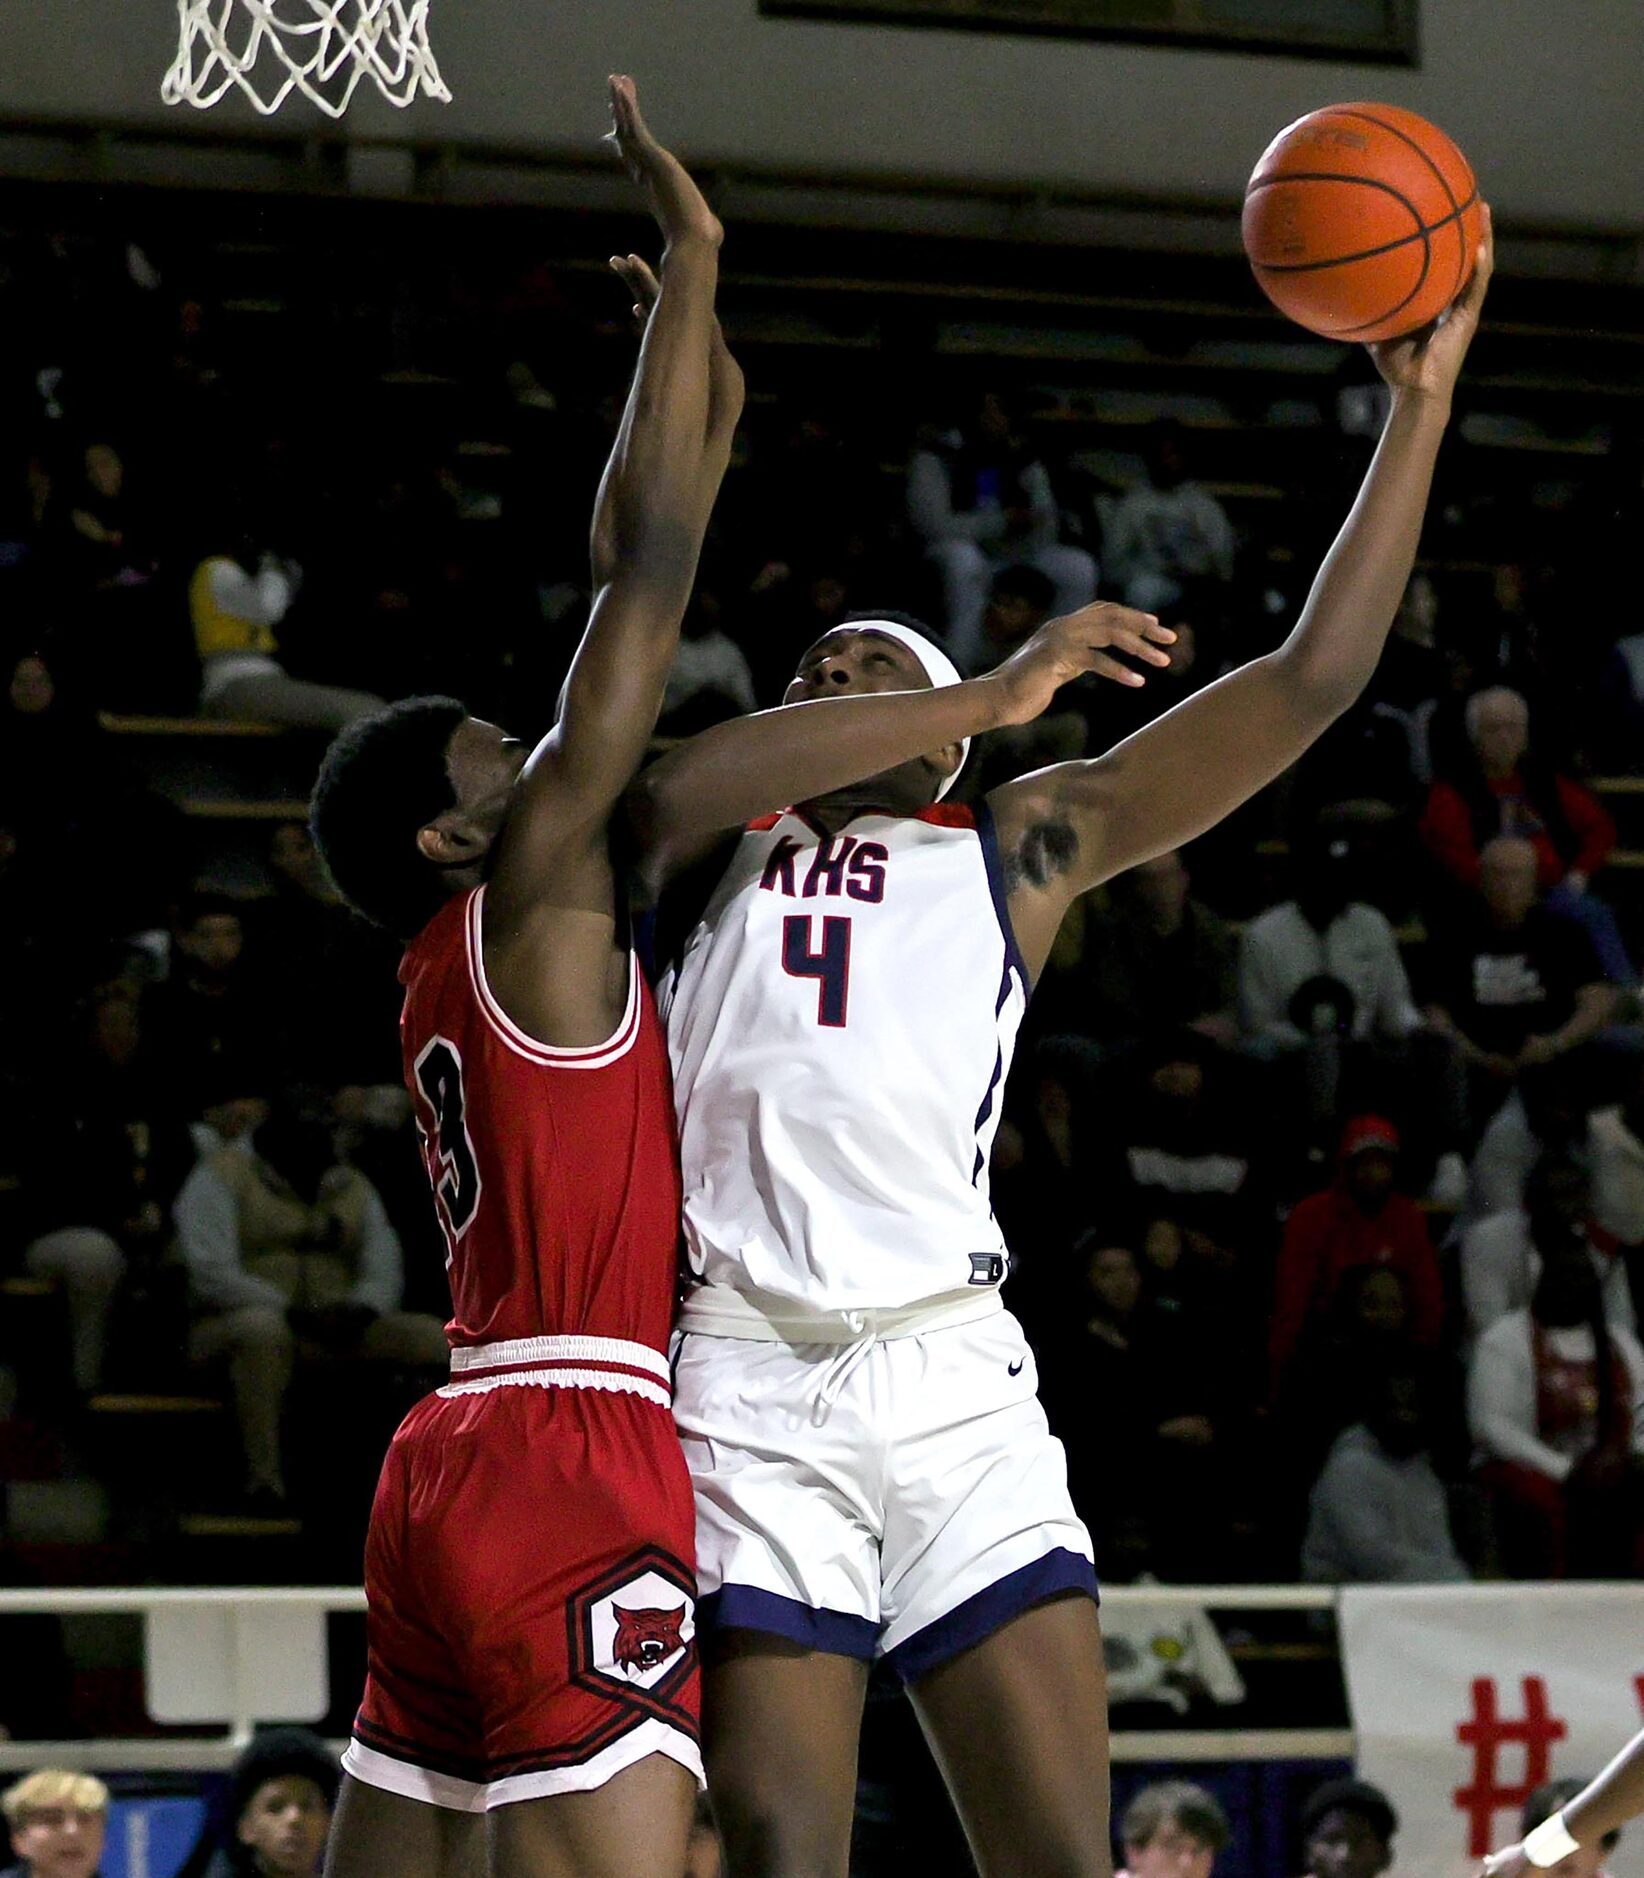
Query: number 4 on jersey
(830, 967)
(451, 1164)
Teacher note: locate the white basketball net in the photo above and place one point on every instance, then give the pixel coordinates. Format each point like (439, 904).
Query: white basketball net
(322, 48)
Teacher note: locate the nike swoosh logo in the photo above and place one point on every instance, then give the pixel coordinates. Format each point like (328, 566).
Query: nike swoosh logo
(1016, 1367)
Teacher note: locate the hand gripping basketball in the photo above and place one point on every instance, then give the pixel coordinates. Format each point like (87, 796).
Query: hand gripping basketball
(1429, 362)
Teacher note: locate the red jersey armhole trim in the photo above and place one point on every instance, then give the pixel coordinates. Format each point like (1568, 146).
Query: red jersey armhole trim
(947, 815)
(765, 823)
(547, 1055)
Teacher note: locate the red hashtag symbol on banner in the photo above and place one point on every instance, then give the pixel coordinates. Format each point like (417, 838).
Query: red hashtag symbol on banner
(1486, 1734)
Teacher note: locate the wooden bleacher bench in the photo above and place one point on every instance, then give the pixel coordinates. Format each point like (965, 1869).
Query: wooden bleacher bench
(134, 1404)
(236, 1526)
(224, 809)
(25, 1286)
(121, 725)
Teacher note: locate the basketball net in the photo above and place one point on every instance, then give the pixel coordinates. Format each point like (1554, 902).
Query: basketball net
(322, 48)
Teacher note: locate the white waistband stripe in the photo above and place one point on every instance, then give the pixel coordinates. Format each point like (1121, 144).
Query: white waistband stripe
(579, 1352)
(614, 1381)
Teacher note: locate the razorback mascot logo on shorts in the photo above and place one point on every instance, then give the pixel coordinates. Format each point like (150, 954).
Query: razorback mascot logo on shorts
(645, 1639)
(633, 1637)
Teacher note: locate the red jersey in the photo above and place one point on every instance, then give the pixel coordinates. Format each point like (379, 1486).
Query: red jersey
(555, 1171)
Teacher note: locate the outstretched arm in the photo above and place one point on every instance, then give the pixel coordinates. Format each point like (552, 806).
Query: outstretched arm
(651, 516)
(1601, 1807)
(1067, 828)
(726, 393)
(724, 777)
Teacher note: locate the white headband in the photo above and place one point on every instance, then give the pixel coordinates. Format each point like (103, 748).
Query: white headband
(933, 661)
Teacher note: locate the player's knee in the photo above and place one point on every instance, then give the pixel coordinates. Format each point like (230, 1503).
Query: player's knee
(261, 1331)
(84, 1258)
(1073, 570)
(958, 559)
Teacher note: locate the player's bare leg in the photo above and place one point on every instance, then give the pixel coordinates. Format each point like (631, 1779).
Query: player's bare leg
(780, 1729)
(638, 1825)
(1019, 1728)
(384, 1835)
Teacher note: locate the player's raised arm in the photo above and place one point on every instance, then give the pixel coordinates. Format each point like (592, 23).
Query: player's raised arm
(726, 394)
(1603, 1806)
(650, 519)
(1065, 829)
(729, 774)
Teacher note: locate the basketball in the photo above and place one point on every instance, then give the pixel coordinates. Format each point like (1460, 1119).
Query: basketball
(1361, 221)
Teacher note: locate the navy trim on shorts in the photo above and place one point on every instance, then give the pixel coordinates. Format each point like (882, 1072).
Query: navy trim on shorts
(746, 1607)
(989, 1610)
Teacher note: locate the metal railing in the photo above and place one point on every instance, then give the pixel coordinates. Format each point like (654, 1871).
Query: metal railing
(239, 1616)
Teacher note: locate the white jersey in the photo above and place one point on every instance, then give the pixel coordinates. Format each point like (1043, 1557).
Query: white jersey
(841, 1022)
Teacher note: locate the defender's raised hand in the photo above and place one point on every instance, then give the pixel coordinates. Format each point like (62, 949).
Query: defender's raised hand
(1428, 362)
(636, 275)
(680, 209)
(1065, 649)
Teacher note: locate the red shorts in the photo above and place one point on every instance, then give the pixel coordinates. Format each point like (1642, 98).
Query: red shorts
(531, 1589)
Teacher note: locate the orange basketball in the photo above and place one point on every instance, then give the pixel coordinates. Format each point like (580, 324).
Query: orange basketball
(1362, 221)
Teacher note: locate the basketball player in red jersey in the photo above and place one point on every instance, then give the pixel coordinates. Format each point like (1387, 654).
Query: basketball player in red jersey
(531, 1698)
(529, 1562)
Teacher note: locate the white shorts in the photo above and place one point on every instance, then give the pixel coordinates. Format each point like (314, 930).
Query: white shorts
(912, 1515)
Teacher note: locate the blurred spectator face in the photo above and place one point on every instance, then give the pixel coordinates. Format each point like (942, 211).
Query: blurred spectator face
(293, 856)
(1418, 612)
(32, 690)
(1018, 605)
(105, 473)
(115, 1029)
(1324, 890)
(1010, 619)
(1055, 1102)
(1498, 723)
(1381, 1307)
(213, 942)
(1180, 1080)
(285, 1827)
(1162, 1245)
(1369, 1177)
(1344, 1844)
(1172, 1852)
(1166, 467)
(1115, 1280)
(1161, 886)
(1184, 654)
(1395, 1418)
(59, 1841)
(993, 418)
(1507, 879)
(1558, 1201)
(235, 1117)
(1567, 1291)
(299, 1142)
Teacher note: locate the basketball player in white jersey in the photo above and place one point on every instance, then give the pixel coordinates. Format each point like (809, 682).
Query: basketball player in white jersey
(875, 1479)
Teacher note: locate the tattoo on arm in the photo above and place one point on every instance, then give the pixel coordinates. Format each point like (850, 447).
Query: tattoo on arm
(1045, 850)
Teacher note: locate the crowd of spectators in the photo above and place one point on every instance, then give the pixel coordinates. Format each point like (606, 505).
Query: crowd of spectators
(273, 1816)
(1323, 1159)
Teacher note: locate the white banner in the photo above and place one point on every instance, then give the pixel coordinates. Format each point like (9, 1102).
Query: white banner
(1465, 1698)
